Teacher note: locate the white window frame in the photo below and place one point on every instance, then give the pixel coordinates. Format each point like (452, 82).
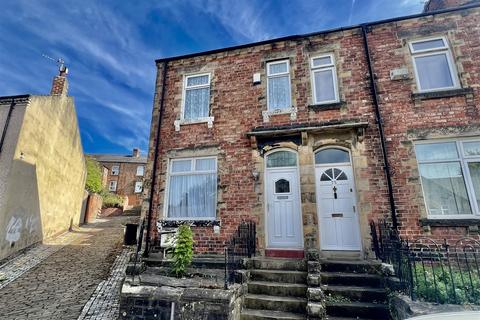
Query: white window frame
(330, 66)
(463, 160)
(184, 93)
(114, 172)
(143, 171)
(192, 171)
(112, 185)
(140, 183)
(429, 52)
(276, 75)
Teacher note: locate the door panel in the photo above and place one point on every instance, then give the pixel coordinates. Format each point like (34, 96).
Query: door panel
(284, 222)
(339, 228)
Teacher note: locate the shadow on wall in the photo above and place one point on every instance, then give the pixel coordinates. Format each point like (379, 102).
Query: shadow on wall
(20, 220)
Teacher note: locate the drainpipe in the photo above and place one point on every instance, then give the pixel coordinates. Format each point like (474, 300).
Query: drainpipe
(378, 119)
(7, 121)
(155, 160)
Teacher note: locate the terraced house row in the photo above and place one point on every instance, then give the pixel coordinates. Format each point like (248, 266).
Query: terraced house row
(313, 136)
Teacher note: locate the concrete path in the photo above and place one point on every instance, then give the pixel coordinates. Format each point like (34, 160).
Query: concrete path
(74, 276)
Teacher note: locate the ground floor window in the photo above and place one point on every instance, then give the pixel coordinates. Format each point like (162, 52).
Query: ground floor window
(450, 176)
(192, 188)
(138, 186)
(112, 186)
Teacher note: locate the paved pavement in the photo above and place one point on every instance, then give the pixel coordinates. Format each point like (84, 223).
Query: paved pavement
(74, 276)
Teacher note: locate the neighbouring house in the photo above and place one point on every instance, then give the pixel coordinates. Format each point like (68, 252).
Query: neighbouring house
(312, 137)
(123, 175)
(42, 167)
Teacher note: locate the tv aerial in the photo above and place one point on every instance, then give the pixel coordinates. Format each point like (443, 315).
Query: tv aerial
(60, 63)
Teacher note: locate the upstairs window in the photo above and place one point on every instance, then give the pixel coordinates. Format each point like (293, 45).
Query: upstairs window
(196, 97)
(324, 79)
(278, 85)
(433, 64)
(115, 170)
(138, 186)
(140, 171)
(112, 186)
(450, 176)
(192, 189)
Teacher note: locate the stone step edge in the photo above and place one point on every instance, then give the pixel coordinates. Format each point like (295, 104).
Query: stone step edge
(271, 314)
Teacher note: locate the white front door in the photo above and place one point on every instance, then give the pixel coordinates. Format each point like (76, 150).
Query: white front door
(336, 207)
(284, 221)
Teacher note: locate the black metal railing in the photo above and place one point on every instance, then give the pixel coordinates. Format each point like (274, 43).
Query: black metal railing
(428, 270)
(240, 246)
(138, 249)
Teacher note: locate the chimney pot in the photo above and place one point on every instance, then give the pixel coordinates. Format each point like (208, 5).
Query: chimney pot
(136, 152)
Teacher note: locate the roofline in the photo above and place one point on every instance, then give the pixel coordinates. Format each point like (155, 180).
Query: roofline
(301, 36)
(20, 96)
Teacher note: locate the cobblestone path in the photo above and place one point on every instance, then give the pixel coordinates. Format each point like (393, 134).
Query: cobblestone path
(67, 276)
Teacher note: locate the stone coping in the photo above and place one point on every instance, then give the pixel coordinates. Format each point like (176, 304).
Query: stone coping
(441, 94)
(449, 222)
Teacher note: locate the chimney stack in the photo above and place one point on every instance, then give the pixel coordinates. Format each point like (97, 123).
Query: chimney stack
(136, 152)
(60, 83)
(434, 5)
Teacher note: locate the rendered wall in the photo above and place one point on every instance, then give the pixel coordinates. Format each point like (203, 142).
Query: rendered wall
(45, 185)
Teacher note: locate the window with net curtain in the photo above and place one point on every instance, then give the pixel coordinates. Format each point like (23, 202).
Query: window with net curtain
(434, 65)
(197, 97)
(450, 176)
(324, 79)
(278, 85)
(192, 189)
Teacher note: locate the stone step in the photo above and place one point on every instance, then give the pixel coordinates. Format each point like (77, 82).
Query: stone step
(250, 314)
(277, 289)
(278, 276)
(352, 279)
(354, 293)
(267, 302)
(279, 264)
(358, 309)
(371, 267)
(344, 318)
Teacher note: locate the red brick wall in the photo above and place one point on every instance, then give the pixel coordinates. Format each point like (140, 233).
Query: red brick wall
(125, 181)
(237, 106)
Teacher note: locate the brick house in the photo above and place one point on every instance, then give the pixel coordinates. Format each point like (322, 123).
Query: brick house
(313, 136)
(123, 175)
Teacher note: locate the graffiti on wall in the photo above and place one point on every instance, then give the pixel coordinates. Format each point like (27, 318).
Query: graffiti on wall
(15, 226)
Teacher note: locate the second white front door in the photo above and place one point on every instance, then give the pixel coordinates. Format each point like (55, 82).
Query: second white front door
(284, 221)
(336, 207)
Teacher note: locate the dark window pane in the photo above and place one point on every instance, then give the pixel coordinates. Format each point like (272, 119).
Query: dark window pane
(332, 156)
(281, 159)
(282, 186)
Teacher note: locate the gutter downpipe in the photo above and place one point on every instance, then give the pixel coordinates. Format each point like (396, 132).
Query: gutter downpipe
(379, 120)
(155, 160)
(7, 121)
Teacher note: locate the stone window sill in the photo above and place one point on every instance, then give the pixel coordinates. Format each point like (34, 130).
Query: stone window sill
(196, 223)
(268, 113)
(450, 222)
(418, 96)
(327, 106)
(182, 122)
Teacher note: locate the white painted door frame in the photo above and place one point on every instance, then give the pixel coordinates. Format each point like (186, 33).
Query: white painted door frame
(337, 233)
(293, 175)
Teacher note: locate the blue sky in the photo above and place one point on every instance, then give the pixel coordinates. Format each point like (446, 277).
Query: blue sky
(110, 48)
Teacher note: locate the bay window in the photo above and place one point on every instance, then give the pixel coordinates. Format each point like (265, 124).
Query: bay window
(450, 177)
(192, 189)
(278, 85)
(433, 64)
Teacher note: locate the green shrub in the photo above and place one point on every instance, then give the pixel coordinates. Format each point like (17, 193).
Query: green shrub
(428, 289)
(183, 251)
(111, 200)
(93, 183)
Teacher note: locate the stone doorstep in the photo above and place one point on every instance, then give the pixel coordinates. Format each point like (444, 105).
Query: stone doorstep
(249, 314)
(353, 293)
(359, 309)
(278, 264)
(352, 279)
(277, 289)
(277, 303)
(280, 276)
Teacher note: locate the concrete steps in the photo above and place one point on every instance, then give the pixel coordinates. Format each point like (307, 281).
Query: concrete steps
(276, 290)
(249, 314)
(354, 289)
